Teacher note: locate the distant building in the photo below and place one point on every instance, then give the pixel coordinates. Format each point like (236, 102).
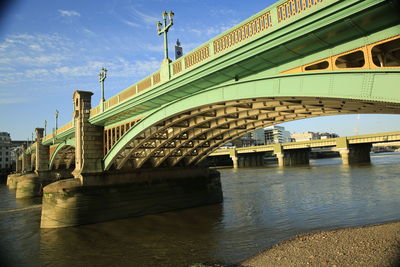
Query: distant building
(306, 136)
(5, 152)
(327, 135)
(259, 137)
(255, 138)
(276, 134)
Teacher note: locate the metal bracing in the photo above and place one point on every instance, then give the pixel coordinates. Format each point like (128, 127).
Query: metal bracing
(188, 137)
(64, 157)
(194, 119)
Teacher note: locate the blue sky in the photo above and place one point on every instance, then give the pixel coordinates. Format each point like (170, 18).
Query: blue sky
(50, 48)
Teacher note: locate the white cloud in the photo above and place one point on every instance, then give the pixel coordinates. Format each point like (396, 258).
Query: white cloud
(130, 23)
(35, 47)
(88, 32)
(144, 17)
(68, 13)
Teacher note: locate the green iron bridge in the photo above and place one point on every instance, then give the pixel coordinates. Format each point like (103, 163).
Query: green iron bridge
(294, 60)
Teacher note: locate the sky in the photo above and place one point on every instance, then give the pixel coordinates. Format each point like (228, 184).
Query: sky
(50, 48)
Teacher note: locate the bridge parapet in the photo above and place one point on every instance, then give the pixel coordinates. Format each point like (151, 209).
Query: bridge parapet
(257, 26)
(62, 130)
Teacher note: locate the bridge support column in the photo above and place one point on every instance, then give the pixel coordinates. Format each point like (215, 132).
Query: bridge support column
(234, 157)
(235, 160)
(31, 185)
(135, 193)
(13, 179)
(292, 157)
(88, 139)
(95, 196)
(353, 154)
(26, 160)
(356, 154)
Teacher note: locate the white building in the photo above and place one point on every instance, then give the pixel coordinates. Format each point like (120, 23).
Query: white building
(276, 134)
(306, 136)
(5, 152)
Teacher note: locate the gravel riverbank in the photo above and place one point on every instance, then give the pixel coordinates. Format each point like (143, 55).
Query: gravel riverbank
(366, 246)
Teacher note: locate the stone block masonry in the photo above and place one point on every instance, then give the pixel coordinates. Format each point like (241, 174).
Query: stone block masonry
(114, 196)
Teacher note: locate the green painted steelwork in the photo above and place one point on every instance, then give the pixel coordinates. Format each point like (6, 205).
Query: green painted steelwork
(347, 85)
(327, 31)
(67, 143)
(251, 68)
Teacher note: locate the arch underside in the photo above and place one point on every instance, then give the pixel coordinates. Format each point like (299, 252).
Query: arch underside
(186, 138)
(64, 158)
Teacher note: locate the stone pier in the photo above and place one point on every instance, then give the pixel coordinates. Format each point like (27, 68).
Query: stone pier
(112, 196)
(355, 153)
(31, 184)
(246, 159)
(292, 157)
(95, 196)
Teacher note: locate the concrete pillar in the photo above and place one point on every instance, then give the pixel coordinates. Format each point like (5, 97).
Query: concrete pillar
(360, 153)
(292, 157)
(88, 139)
(280, 157)
(278, 151)
(235, 161)
(234, 157)
(344, 154)
(42, 153)
(353, 154)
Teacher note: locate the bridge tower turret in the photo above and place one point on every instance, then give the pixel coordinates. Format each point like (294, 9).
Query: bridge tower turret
(42, 153)
(88, 138)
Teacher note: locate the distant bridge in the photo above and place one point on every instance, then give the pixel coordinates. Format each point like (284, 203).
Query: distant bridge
(293, 153)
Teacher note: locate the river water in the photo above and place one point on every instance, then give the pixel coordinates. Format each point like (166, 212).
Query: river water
(262, 206)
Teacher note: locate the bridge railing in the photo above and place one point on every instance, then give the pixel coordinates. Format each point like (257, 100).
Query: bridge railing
(234, 37)
(59, 131)
(291, 8)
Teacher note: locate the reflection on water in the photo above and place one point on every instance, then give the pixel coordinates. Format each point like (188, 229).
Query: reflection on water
(261, 207)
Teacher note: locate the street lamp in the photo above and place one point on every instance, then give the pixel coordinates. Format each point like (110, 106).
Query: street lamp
(102, 77)
(161, 30)
(45, 126)
(56, 115)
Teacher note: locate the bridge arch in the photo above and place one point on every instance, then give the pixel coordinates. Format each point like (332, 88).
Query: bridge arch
(187, 130)
(63, 156)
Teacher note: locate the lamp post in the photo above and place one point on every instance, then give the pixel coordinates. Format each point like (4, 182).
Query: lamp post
(56, 115)
(102, 77)
(45, 126)
(161, 30)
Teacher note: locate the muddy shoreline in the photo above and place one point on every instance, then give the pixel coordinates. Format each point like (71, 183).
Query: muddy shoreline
(377, 245)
